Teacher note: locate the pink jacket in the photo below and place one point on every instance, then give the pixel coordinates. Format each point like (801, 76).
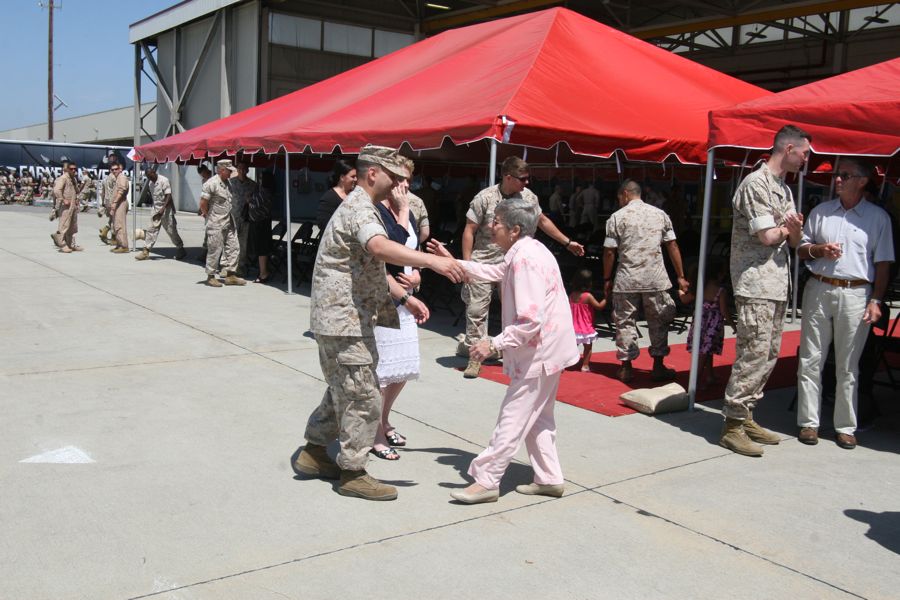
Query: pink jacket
(537, 337)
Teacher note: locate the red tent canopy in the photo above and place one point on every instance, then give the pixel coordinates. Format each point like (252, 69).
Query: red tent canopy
(535, 80)
(853, 113)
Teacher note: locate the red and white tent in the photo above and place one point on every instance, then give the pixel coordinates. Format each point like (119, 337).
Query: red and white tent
(539, 79)
(856, 113)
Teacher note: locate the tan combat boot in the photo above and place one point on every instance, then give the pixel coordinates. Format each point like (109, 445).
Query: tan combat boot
(211, 281)
(734, 438)
(472, 369)
(758, 434)
(314, 460)
(143, 255)
(359, 484)
(56, 240)
(232, 279)
(104, 231)
(119, 250)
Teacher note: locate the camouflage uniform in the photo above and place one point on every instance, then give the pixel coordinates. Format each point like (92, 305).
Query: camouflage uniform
(86, 191)
(760, 276)
(109, 186)
(477, 294)
(65, 190)
(638, 231)
(159, 189)
(119, 218)
(221, 237)
(26, 188)
(418, 210)
(4, 188)
(349, 296)
(241, 192)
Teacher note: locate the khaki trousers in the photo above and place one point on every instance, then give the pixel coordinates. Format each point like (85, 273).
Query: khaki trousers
(68, 224)
(659, 310)
(758, 341)
(351, 407)
(120, 224)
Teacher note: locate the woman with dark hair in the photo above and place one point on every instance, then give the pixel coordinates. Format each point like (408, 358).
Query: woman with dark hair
(340, 183)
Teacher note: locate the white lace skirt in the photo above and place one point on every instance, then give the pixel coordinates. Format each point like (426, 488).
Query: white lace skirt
(398, 350)
(585, 338)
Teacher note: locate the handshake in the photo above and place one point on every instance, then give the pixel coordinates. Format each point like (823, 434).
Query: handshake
(442, 262)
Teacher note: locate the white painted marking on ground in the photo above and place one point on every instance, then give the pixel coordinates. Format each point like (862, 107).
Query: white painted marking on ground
(69, 455)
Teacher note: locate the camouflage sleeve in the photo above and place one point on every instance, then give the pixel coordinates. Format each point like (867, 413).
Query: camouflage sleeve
(418, 210)
(165, 188)
(206, 192)
(475, 213)
(612, 236)
(668, 233)
(753, 202)
(366, 224)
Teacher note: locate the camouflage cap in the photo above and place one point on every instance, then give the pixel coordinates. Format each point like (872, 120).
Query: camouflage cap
(384, 156)
(225, 164)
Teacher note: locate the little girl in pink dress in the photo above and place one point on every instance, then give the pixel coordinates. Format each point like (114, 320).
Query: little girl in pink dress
(583, 304)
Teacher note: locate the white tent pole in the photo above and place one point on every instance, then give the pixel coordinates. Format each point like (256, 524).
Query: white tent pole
(287, 219)
(492, 168)
(135, 174)
(796, 282)
(701, 269)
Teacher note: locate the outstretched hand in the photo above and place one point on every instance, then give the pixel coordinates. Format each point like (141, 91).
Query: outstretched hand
(438, 248)
(448, 267)
(575, 248)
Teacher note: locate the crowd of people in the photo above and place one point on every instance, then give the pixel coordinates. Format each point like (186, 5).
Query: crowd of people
(237, 214)
(26, 188)
(358, 308)
(376, 238)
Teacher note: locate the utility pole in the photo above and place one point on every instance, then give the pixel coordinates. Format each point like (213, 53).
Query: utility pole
(50, 6)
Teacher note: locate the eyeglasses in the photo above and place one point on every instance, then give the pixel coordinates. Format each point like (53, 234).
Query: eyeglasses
(845, 175)
(523, 178)
(496, 223)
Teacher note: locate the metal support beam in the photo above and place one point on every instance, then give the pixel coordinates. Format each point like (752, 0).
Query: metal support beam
(801, 9)
(462, 18)
(135, 173)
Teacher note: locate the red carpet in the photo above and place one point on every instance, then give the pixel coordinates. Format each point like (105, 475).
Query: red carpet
(599, 390)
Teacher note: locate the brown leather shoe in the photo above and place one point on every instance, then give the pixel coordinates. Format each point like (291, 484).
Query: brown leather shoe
(809, 436)
(846, 441)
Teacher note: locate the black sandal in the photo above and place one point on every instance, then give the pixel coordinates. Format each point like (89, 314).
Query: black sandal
(389, 454)
(396, 439)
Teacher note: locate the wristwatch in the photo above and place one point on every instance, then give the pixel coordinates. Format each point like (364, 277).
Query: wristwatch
(404, 298)
(876, 301)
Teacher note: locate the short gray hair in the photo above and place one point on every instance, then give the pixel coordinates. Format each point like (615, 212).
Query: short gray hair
(518, 211)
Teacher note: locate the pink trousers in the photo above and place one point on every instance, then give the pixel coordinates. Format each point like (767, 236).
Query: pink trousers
(526, 413)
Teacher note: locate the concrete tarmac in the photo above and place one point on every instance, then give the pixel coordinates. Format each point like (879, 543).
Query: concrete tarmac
(148, 421)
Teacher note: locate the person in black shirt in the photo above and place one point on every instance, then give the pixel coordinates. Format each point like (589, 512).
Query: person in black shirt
(341, 181)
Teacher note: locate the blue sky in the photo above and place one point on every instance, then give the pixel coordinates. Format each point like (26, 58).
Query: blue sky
(92, 59)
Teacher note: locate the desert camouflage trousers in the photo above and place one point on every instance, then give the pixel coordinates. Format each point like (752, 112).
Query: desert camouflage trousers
(659, 310)
(351, 407)
(221, 242)
(477, 297)
(169, 224)
(759, 325)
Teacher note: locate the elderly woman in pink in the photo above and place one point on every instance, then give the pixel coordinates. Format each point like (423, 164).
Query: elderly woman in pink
(538, 342)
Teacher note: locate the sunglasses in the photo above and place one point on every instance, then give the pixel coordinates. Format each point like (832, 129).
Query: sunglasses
(845, 175)
(523, 178)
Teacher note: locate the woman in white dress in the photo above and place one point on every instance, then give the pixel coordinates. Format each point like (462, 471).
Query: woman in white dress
(398, 349)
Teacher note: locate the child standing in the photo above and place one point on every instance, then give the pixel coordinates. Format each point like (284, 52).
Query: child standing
(715, 315)
(583, 304)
